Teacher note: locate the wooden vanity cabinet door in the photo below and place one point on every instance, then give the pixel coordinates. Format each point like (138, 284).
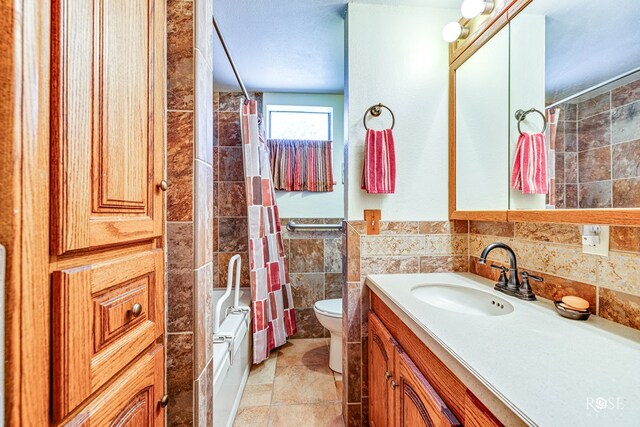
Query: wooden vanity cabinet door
(132, 400)
(381, 373)
(417, 403)
(107, 126)
(104, 316)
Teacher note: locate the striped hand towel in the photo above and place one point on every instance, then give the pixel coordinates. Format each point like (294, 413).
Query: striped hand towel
(379, 168)
(530, 164)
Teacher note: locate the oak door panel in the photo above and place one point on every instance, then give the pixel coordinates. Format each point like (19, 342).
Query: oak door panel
(418, 404)
(132, 400)
(97, 328)
(107, 122)
(381, 372)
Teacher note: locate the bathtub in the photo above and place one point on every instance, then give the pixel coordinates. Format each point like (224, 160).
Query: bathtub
(231, 356)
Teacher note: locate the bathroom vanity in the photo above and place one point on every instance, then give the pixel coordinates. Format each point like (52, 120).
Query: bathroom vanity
(446, 349)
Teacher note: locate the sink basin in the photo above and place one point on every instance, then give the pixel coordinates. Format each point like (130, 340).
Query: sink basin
(462, 299)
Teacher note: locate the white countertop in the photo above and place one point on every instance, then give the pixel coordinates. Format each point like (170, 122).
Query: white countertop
(549, 370)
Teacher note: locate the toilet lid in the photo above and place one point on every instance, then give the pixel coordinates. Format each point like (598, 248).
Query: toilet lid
(331, 307)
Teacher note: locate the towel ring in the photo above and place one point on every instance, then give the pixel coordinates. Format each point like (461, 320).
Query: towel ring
(375, 111)
(522, 114)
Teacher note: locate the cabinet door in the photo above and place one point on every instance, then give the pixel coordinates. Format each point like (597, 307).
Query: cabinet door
(418, 404)
(381, 371)
(132, 400)
(107, 124)
(104, 316)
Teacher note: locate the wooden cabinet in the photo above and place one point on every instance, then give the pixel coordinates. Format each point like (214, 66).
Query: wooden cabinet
(381, 370)
(133, 399)
(107, 212)
(399, 395)
(107, 107)
(104, 315)
(418, 404)
(409, 386)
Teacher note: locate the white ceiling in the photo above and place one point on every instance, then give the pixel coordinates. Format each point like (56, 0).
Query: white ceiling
(587, 42)
(298, 45)
(288, 45)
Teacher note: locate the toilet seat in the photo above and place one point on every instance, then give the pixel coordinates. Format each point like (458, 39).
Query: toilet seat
(329, 307)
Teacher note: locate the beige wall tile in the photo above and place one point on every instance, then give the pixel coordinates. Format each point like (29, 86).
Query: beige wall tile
(389, 265)
(446, 244)
(544, 232)
(560, 260)
(620, 271)
(391, 245)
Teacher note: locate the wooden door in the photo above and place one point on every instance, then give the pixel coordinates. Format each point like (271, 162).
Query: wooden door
(107, 106)
(134, 399)
(381, 373)
(417, 403)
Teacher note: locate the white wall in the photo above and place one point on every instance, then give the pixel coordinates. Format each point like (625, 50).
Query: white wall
(396, 55)
(304, 204)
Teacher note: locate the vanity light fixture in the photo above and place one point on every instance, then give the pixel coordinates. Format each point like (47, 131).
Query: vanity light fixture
(472, 8)
(454, 31)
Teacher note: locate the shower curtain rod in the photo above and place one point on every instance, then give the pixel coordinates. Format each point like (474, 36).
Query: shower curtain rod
(594, 87)
(233, 64)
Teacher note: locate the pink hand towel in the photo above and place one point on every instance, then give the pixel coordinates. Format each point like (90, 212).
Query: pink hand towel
(530, 164)
(379, 168)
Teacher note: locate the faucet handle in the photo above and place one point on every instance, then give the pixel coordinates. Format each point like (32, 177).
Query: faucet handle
(503, 274)
(527, 276)
(525, 287)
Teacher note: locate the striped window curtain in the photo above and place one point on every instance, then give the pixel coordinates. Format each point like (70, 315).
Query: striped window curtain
(301, 165)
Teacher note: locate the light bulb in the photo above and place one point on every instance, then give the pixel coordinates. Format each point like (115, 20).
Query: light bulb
(472, 8)
(453, 31)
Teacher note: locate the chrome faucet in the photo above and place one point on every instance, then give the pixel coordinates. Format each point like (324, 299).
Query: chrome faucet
(511, 285)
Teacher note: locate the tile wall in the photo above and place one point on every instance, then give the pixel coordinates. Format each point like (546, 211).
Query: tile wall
(190, 202)
(598, 151)
(554, 251)
(611, 284)
(230, 209)
(315, 270)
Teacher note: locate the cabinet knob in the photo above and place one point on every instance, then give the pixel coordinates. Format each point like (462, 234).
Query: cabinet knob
(164, 401)
(136, 310)
(387, 375)
(394, 384)
(163, 185)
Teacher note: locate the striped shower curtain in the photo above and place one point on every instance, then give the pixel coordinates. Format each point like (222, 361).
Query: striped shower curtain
(301, 165)
(272, 301)
(552, 121)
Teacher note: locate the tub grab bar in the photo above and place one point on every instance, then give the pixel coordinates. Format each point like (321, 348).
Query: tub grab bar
(230, 276)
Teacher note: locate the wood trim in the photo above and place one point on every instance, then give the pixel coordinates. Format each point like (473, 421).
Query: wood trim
(452, 142)
(578, 216)
(478, 31)
(24, 160)
(480, 215)
(457, 56)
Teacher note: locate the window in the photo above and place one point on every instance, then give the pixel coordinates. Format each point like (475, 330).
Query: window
(299, 123)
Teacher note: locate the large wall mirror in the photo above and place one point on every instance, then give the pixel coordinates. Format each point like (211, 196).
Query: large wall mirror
(575, 65)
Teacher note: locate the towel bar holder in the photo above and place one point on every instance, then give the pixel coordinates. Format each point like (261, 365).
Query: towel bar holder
(375, 111)
(522, 114)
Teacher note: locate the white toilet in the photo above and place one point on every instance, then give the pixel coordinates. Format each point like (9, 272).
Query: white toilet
(329, 314)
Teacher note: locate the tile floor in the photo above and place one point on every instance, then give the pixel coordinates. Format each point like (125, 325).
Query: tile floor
(294, 387)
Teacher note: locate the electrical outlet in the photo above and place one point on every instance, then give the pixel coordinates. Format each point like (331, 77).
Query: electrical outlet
(595, 240)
